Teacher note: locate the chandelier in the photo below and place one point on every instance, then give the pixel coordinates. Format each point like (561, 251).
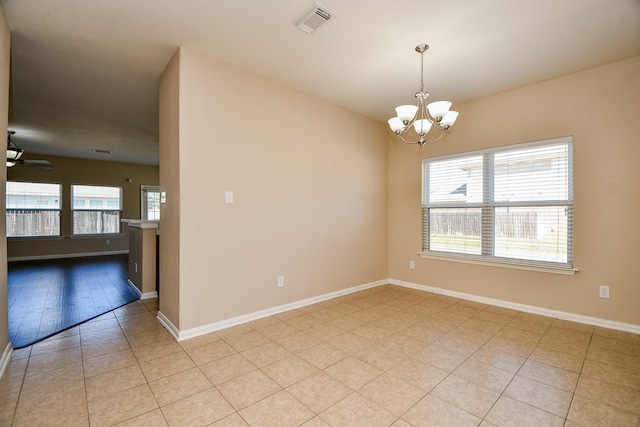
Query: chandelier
(422, 123)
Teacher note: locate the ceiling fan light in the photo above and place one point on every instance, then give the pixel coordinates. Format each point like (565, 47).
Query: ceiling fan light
(439, 109)
(395, 124)
(422, 126)
(406, 113)
(14, 153)
(449, 119)
(10, 163)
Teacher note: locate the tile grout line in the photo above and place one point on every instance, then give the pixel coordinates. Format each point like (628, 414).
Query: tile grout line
(211, 382)
(24, 378)
(450, 373)
(140, 367)
(519, 369)
(575, 388)
(84, 378)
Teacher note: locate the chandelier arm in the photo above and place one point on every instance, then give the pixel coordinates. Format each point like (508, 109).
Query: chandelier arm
(435, 122)
(399, 136)
(421, 140)
(404, 130)
(441, 128)
(428, 137)
(430, 117)
(440, 135)
(424, 111)
(434, 134)
(426, 114)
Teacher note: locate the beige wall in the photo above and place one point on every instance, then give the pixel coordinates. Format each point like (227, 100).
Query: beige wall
(5, 47)
(600, 109)
(169, 115)
(68, 171)
(310, 189)
(142, 258)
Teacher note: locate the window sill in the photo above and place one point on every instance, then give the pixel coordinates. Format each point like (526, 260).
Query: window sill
(95, 236)
(15, 238)
(468, 260)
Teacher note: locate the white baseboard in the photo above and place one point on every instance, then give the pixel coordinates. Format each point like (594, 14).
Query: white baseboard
(63, 256)
(223, 324)
(5, 359)
(145, 295)
(149, 295)
(135, 288)
(179, 335)
(170, 327)
(578, 318)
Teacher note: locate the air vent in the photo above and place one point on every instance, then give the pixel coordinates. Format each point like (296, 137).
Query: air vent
(313, 18)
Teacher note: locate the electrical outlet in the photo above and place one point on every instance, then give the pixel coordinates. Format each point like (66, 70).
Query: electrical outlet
(604, 292)
(280, 281)
(412, 265)
(107, 242)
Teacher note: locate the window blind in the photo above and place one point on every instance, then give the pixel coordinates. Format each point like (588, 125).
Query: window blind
(33, 209)
(96, 209)
(510, 204)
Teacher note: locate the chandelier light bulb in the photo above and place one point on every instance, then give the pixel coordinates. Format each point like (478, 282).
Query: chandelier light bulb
(395, 124)
(438, 109)
(406, 113)
(422, 126)
(449, 119)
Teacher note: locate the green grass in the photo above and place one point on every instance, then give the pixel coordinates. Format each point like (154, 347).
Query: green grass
(545, 246)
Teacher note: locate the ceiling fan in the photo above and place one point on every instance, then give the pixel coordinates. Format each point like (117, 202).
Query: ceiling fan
(14, 154)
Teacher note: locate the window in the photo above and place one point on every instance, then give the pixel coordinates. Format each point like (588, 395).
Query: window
(511, 204)
(33, 209)
(150, 202)
(96, 209)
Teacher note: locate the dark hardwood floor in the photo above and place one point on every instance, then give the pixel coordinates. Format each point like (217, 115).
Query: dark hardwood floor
(46, 297)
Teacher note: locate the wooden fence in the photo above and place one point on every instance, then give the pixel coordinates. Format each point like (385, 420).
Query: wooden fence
(522, 225)
(26, 222)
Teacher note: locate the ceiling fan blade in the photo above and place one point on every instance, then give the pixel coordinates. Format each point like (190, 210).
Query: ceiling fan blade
(43, 164)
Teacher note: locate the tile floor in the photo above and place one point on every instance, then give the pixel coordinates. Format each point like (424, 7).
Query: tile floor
(388, 356)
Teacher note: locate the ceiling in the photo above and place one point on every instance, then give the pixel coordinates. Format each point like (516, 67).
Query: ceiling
(84, 74)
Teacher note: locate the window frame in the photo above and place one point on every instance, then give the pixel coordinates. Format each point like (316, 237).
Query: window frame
(488, 211)
(58, 210)
(144, 206)
(74, 234)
